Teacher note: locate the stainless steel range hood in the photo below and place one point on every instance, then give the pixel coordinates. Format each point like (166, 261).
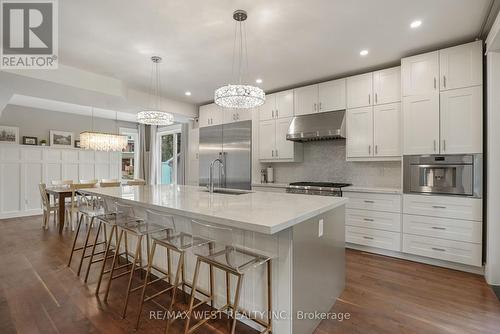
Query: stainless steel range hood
(320, 126)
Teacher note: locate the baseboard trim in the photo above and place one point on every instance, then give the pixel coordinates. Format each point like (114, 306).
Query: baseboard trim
(416, 258)
(21, 214)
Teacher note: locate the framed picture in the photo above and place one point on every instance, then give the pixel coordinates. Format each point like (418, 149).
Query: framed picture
(9, 134)
(30, 140)
(61, 138)
(77, 144)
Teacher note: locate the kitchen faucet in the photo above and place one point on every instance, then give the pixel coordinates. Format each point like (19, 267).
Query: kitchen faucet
(211, 177)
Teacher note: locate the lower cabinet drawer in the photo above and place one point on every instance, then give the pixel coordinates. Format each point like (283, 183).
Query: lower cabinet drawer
(454, 251)
(373, 238)
(444, 206)
(387, 221)
(444, 228)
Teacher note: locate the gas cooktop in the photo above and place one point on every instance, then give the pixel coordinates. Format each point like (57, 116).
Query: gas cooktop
(317, 188)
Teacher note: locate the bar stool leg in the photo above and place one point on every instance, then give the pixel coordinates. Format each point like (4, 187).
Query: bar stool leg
(148, 273)
(178, 275)
(236, 302)
(211, 278)
(126, 249)
(117, 251)
(269, 298)
(108, 246)
(191, 300)
(74, 240)
(91, 258)
(85, 246)
(134, 263)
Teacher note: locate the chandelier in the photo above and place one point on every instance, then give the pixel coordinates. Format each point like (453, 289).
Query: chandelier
(239, 96)
(102, 141)
(154, 115)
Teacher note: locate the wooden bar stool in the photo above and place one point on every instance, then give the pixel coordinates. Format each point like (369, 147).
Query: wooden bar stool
(232, 259)
(172, 241)
(139, 230)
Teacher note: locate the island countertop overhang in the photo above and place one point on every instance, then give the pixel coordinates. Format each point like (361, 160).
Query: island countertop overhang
(262, 212)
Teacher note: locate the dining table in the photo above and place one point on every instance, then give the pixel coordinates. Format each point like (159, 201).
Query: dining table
(60, 193)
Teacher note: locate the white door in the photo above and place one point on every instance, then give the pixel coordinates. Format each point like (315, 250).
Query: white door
(267, 139)
(359, 132)
(32, 177)
(420, 74)
(284, 148)
(332, 95)
(359, 91)
(266, 111)
(387, 130)
(306, 100)
(284, 104)
(461, 66)
(387, 85)
(421, 124)
(462, 120)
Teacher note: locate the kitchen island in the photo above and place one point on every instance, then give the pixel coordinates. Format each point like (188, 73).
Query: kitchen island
(303, 234)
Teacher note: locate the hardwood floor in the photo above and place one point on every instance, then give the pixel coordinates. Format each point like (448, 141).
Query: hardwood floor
(39, 294)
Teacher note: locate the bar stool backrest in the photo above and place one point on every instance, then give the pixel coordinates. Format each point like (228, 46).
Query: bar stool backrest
(110, 183)
(61, 182)
(136, 182)
(44, 196)
(124, 209)
(161, 219)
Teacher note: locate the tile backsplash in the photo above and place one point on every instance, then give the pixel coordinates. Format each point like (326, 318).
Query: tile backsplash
(325, 161)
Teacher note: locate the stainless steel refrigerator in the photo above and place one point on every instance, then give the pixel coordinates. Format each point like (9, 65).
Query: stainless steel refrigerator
(232, 143)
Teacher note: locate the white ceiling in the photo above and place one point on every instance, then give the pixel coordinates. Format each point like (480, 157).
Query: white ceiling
(290, 42)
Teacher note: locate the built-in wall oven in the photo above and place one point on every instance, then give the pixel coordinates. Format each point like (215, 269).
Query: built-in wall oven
(443, 174)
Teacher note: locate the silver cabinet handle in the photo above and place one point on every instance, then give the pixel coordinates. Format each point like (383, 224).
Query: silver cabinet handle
(367, 201)
(439, 249)
(272, 112)
(314, 107)
(368, 219)
(369, 99)
(276, 113)
(320, 106)
(435, 83)
(376, 98)
(369, 149)
(438, 228)
(369, 238)
(444, 145)
(444, 81)
(272, 153)
(376, 149)
(434, 145)
(276, 152)
(438, 207)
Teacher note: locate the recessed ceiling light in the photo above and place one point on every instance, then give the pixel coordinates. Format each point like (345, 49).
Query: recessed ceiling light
(258, 81)
(363, 52)
(187, 93)
(416, 24)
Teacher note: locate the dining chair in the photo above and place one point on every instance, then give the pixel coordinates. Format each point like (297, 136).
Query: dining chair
(46, 206)
(72, 206)
(110, 183)
(136, 182)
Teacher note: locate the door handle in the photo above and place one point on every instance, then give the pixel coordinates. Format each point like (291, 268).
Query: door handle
(376, 149)
(376, 98)
(320, 106)
(272, 153)
(314, 107)
(276, 153)
(369, 99)
(444, 81)
(276, 113)
(435, 83)
(272, 113)
(369, 149)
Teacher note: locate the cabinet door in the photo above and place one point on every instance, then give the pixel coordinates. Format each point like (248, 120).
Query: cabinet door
(306, 100)
(359, 91)
(360, 132)
(284, 104)
(205, 115)
(266, 111)
(236, 115)
(421, 124)
(210, 114)
(387, 86)
(332, 95)
(462, 120)
(420, 74)
(461, 66)
(387, 130)
(284, 148)
(267, 139)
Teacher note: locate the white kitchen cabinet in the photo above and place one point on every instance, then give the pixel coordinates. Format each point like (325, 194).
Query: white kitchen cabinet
(332, 95)
(273, 145)
(359, 91)
(387, 130)
(277, 105)
(373, 238)
(210, 114)
(387, 86)
(236, 115)
(420, 74)
(444, 206)
(461, 120)
(192, 178)
(421, 124)
(461, 66)
(373, 201)
(359, 132)
(306, 100)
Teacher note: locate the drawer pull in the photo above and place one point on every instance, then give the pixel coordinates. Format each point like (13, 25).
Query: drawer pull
(439, 249)
(366, 201)
(439, 228)
(369, 238)
(438, 207)
(368, 219)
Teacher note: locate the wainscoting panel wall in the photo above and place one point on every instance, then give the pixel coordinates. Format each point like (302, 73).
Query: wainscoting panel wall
(22, 168)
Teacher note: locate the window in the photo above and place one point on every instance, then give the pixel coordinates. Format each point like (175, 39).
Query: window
(169, 143)
(130, 155)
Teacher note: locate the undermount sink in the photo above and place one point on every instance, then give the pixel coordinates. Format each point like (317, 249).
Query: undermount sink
(228, 191)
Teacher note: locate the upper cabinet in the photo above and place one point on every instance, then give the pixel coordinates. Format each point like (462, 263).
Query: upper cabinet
(273, 146)
(306, 100)
(326, 96)
(420, 74)
(360, 91)
(210, 114)
(387, 86)
(236, 115)
(277, 105)
(461, 66)
(421, 124)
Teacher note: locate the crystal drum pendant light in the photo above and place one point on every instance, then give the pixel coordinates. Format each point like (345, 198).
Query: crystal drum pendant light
(154, 115)
(101, 141)
(239, 95)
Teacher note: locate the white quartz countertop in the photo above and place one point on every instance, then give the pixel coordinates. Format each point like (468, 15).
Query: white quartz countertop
(263, 212)
(380, 190)
(270, 185)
